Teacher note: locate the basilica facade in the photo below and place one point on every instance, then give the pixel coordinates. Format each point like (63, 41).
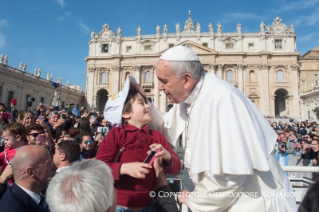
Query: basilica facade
(262, 65)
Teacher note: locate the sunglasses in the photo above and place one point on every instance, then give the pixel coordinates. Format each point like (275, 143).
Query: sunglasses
(90, 141)
(35, 134)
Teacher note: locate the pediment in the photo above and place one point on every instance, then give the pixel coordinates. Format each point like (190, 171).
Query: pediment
(229, 39)
(197, 48)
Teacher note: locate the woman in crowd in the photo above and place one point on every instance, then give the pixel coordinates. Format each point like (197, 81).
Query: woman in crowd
(26, 118)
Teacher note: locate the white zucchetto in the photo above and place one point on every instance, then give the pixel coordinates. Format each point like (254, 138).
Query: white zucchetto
(179, 53)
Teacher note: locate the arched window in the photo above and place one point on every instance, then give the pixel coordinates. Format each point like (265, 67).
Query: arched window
(148, 76)
(103, 77)
(280, 76)
(229, 76)
(252, 76)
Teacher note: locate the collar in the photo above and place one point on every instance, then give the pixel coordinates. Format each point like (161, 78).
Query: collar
(59, 169)
(36, 197)
(192, 97)
(128, 127)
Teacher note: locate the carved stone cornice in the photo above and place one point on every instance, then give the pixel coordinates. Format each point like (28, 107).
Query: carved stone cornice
(241, 66)
(91, 69)
(136, 68)
(264, 66)
(295, 67)
(221, 66)
(212, 65)
(115, 68)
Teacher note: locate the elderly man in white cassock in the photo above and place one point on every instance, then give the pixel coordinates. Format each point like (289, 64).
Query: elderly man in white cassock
(227, 142)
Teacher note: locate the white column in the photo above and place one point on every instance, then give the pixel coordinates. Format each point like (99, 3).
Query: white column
(264, 89)
(116, 79)
(156, 94)
(163, 102)
(220, 70)
(90, 86)
(240, 77)
(137, 70)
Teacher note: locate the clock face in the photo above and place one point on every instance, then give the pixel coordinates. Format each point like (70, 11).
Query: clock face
(105, 34)
(278, 29)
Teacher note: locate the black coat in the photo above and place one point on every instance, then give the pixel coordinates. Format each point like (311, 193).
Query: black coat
(17, 200)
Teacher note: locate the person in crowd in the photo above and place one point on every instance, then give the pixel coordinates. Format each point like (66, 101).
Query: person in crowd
(308, 137)
(86, 147)
(84, 113)
(286, 130)
(310, 201)
(14, 135)
(274, 125)
(4, 177)
(66, 152)
(131, 117)
(3, 122)
(55, 124)
(310, 154)
(37, 136)
(283, 156)
(194, 93)
(26, 118)
(39, 111)
(31, 167)
(14, 111)
(84, 179)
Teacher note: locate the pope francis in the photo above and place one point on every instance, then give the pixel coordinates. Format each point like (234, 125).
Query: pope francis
(227, 141)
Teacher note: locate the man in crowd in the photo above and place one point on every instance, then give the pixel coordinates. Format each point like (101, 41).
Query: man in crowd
(31, 167)
(55, 123)
(36, 136)
(66, 152)
(205, 109)
(83, 180)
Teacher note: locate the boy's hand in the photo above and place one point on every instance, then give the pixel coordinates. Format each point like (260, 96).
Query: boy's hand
(164, 154)
(135, 169)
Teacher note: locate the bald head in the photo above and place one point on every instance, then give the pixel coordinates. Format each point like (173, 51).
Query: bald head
(28, 156)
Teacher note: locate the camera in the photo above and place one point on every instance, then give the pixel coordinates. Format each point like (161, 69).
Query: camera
(30, 100)
(103, 131)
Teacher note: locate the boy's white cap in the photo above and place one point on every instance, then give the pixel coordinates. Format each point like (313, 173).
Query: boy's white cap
(114, 105)
(179, 53)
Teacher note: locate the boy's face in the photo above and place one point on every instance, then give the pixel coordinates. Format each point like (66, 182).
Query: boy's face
(141, 113)
(9, 139)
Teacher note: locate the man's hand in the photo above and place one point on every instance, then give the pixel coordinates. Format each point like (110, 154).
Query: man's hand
(135, 169)
(59, 123)
(182, 197)
(6, 174)
(164, 154)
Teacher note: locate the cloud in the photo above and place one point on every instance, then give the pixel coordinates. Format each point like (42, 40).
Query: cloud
(61, 2)
(2, 40)
(305, 38)
(313, 18)
(68, 13)
(61, 18)
(241, 16)
(298, 5)
(84, 28)
(3, 23)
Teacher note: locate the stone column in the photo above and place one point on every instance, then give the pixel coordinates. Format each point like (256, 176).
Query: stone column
(137, 70)
(295, 113)
(156, 93)
(220, 70)
(163, 102)
(272, 105)
(240, 77)
(90, 85)
(264, 89)
(116, 79)
(212, 67)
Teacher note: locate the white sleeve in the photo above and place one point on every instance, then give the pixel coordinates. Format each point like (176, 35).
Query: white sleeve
(216, 193)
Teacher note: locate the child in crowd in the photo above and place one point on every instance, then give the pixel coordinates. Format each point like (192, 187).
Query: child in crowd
(13, 135)
(134, 180)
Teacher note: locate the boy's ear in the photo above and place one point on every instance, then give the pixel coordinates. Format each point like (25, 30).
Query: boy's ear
(18, 137)
(126, 115)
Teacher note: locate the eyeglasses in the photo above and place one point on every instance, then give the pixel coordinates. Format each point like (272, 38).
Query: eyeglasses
(86, 142)
(35, 134)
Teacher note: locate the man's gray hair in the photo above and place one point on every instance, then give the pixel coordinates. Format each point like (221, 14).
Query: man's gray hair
(85, 186)
(52, 113)
(179, 68)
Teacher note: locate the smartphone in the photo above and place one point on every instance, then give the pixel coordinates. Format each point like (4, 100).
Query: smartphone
(14, 101)
(151, 157)
(40, 117)
(5, 116)
(40, 139)
(92, 117)
(63, 116)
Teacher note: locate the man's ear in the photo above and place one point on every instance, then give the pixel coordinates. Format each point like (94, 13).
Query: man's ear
(126, 115)
(30, 172)
(63, 157)
(188, 80)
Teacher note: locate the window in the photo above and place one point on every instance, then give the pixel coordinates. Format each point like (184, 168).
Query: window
(229, 45)
(229, 76)
(252, 76)
(147, 90)
(316, 75)
(129, 49)
(148, 47)
(42, 100)
(148, 76)
(169, 107)
(316, 82)
(62, 104)
(278, 44)
(149, 99)
(27, 100)
(251, 46)
(205, 44)
(10, 97)
(280, 76)
(303, 82)
(103, 77)
(105, 48)
(170, 45)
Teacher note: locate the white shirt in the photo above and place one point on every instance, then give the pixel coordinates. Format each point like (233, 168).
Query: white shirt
(36, 197)
(59, 169)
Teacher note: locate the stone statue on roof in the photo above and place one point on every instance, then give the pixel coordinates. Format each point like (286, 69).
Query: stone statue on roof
(24, 68)
(20, 65)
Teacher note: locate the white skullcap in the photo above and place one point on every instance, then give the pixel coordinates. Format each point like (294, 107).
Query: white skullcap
(179, 53)
(114, 106)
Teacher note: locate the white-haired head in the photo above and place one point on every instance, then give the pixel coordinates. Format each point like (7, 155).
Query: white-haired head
(85, 186)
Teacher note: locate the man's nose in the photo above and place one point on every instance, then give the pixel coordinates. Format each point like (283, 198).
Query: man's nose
(160, 86)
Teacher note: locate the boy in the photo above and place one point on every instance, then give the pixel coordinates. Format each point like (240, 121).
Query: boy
(134, 180)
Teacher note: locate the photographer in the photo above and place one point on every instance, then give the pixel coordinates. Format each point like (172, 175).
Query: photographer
(282, 156)
(55, 124)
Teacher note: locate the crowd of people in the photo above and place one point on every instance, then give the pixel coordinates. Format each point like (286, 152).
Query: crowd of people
(297, 145)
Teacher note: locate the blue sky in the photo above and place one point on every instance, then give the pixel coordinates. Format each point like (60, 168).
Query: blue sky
(53, 34)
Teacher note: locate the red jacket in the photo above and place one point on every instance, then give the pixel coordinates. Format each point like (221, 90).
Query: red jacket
(132, 192)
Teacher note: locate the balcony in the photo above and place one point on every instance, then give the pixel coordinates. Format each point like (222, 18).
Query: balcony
(147, 85)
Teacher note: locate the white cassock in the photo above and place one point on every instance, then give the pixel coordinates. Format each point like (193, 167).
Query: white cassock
(228, 145)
